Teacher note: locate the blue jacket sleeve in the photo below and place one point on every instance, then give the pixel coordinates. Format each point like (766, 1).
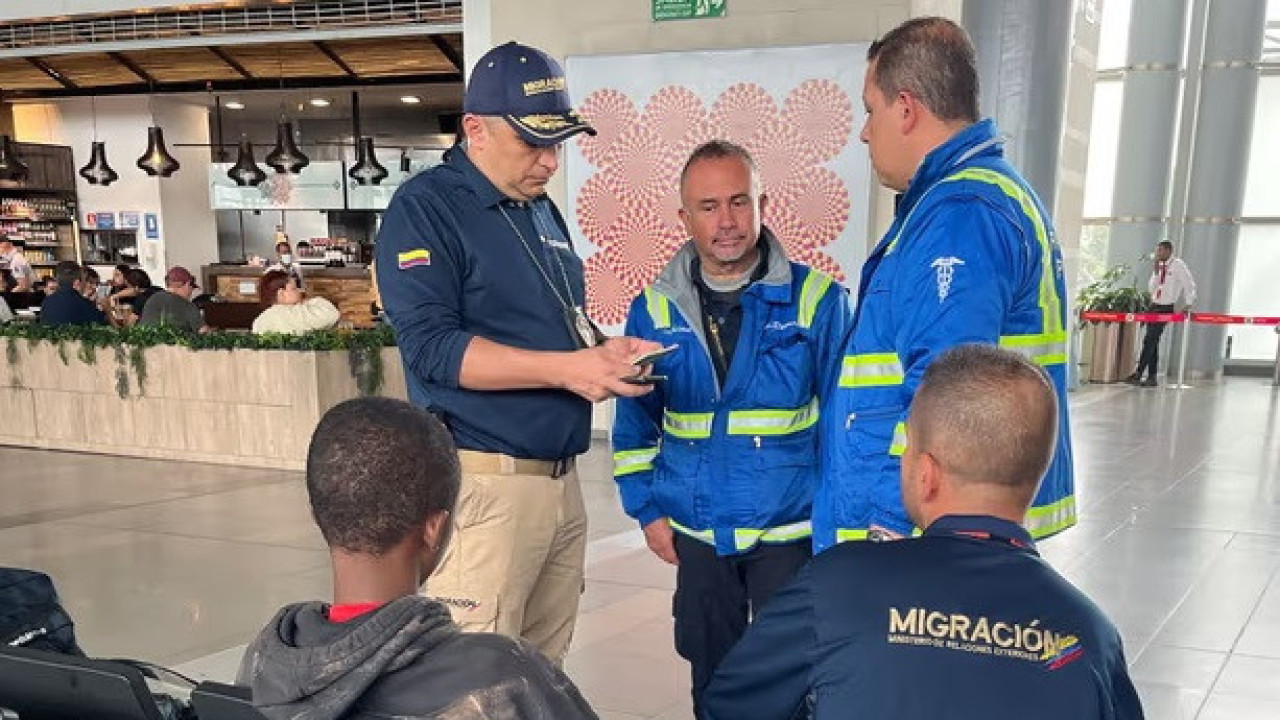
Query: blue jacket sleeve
(956, 281)
(1125, 704)
(768, 674)
(637, 434)
(421, 273)
(831, 328)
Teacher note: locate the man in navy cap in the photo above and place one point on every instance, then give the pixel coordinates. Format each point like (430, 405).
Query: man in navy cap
(486, 296)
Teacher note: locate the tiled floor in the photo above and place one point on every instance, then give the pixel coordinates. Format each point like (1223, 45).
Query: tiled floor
(1179, 541)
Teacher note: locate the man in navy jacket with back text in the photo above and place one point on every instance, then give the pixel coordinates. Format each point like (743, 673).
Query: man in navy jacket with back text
(966, 621)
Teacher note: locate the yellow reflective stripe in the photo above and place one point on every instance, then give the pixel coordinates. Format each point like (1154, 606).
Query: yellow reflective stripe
(626, 462)
(871, 370)
(659, 308)
(1042, 348)
(815, 286)
(687, 426)
(1050, 303)
(747, 538)
(1045, 520)
(850, 534)
(773, 422)
(899, 444)
(705, 536)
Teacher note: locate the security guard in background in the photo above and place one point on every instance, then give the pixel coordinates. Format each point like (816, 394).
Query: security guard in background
(718, 464)
(970, 609)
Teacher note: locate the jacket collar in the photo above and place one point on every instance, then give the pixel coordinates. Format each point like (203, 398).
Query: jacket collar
(980, 139)
(485, 191)
(982, 527)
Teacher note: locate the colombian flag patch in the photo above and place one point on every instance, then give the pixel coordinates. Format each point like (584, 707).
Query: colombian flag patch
(413, 258)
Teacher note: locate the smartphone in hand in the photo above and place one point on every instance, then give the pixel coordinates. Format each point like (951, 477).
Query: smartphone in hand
(651, 357)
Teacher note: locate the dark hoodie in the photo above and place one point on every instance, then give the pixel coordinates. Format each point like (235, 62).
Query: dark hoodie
(406, 659)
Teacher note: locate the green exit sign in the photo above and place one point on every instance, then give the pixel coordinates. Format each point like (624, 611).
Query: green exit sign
(687, 9)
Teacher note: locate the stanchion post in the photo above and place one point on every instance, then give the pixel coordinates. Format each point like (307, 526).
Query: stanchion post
(1182, 354)
(1275, 374)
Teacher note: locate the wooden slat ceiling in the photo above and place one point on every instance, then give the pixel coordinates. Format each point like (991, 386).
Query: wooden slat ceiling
(183, 65)
(375, 58)
(366, 60)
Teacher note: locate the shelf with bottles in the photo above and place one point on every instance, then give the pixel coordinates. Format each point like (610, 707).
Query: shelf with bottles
(36, 209)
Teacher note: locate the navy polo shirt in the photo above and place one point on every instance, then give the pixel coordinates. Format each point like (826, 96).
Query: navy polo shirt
(68, 307)
(966, 621)
(450, 267)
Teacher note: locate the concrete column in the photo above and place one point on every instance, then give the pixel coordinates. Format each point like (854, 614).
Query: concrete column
(1215, 177)
(1023, 57)
(1148, 119)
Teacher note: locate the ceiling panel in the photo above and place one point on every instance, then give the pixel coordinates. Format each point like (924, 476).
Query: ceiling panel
(183, 65)
(92, 69)
(286, 59)
(384, 58)
(17, 74)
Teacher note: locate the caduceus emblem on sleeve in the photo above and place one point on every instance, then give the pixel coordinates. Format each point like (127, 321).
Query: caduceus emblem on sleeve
(946, 271)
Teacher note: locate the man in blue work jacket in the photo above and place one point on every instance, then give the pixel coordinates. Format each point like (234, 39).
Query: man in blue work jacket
(485, 293)
(970, 257)
(966, 621)
(718, 464)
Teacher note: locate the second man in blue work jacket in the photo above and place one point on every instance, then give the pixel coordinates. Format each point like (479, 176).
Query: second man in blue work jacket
(718, 464)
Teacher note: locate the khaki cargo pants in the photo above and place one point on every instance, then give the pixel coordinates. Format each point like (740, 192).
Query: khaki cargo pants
(514, 563)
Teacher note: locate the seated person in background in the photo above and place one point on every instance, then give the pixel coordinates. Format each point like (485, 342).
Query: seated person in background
(89, 282)
(120, 278)
(66, 306)
(383, 478)
(964, 622)
(49, 286)
(133, 298)
(173, 307)
(286, 311)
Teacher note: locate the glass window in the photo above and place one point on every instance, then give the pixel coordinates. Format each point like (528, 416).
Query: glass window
(1261, 185)
(1104, 147)
(1253, 291)
(1113, 35)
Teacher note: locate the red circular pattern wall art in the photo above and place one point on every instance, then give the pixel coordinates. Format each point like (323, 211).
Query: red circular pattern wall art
(627, 206)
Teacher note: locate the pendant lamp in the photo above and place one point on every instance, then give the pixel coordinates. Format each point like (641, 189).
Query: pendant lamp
(367, 171)
(157, 161)
(98, 172)
(246, 171)
(11, 166)
(286, 157)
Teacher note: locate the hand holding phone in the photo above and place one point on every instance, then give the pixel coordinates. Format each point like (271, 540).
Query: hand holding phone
(651, 357)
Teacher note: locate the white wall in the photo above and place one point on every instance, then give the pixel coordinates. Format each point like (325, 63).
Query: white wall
(187, 230)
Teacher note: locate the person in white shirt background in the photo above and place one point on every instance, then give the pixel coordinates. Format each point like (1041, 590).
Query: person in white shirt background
(1170, 280)
(287, 310)
(13, 259)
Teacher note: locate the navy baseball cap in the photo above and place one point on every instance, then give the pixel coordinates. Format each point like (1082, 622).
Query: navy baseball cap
(525, 87)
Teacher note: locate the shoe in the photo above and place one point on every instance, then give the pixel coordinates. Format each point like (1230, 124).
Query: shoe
(1133, 379)
(1150, 382)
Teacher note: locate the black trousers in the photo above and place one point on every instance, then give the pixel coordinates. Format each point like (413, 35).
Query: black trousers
(716, 597)
(1149, 360)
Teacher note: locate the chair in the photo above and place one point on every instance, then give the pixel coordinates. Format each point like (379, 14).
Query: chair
(216, 701)
(40, 685)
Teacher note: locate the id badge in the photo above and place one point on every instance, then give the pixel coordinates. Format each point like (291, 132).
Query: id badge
(580, 326)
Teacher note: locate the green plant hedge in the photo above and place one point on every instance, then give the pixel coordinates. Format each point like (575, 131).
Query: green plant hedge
(127, 344)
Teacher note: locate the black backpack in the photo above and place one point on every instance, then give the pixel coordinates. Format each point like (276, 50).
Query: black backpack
(31, 616)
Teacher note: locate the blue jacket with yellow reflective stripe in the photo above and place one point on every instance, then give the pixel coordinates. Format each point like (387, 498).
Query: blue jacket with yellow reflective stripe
(970, 257)
(732, 466)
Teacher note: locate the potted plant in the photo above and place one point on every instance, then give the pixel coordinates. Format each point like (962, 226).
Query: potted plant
(1110, 345)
